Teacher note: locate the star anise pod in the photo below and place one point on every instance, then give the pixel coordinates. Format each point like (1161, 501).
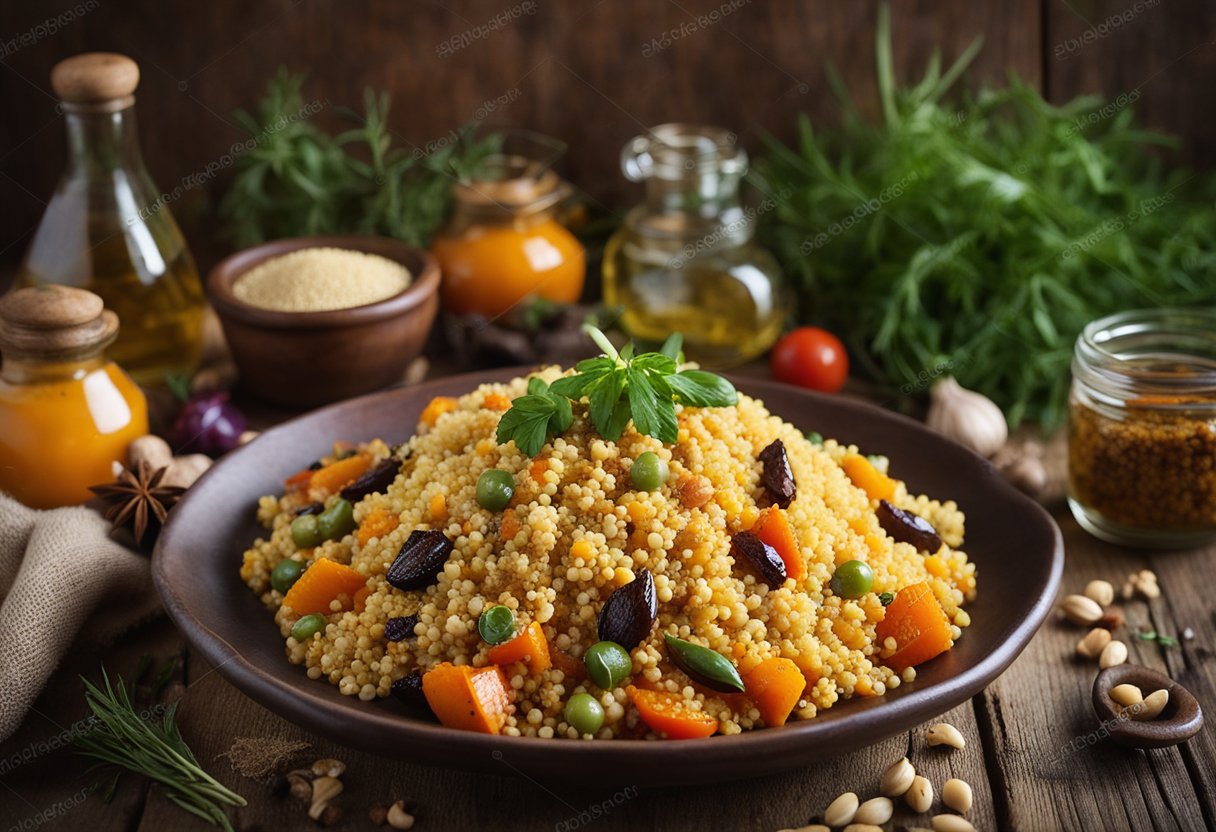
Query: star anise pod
(137, 499)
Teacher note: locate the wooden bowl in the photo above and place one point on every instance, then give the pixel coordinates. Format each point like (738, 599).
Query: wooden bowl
(1014, 543)
(305, 359)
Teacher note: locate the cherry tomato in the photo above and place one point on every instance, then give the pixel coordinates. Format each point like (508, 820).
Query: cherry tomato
(811, 357)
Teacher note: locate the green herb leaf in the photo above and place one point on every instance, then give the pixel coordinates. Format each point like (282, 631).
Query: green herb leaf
(619, 387)
(527, 423)
(698, 388)
(671, 347)
(131, 741)
(650, 401)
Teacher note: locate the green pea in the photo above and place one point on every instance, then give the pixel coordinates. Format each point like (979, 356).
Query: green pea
(305, 532)
(307, 627)
(283, 576)
(496, 625)
(584, 713)
(337, 521)
(495, 489)
(852, 579)
(814, 437)
(608, 664)
(649, 472)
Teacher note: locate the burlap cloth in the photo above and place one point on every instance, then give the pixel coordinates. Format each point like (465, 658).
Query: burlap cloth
(62, 578)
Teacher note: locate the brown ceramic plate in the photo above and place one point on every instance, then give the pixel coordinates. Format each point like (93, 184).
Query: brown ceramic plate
(1014, 542)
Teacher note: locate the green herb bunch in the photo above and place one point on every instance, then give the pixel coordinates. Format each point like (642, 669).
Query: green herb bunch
(298, 180)
(122, 737)
(619, 387)
(978, 238)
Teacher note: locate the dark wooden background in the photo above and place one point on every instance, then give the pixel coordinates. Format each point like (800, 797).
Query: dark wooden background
(576, 69)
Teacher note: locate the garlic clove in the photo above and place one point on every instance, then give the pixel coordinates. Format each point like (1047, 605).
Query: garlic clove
(967, 417)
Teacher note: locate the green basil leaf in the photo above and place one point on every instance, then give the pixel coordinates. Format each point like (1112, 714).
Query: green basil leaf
(563, 415)
(701, 389)
(619, 420)
(603, 399)
(537, 386)
(654, 414)
(671, 347)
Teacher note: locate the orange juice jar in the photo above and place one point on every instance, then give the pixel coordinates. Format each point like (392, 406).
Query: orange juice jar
(503, 243)
(66, 412)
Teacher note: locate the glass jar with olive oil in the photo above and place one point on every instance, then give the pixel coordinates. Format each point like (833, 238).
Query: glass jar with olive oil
(684, 260)
(107, 230)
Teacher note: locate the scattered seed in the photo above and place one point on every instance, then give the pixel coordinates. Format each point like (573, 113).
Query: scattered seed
(957, 795)
(1128, 590)
(951, 823)
(897, 778)
(840, 811)
(378, 814)
(1126, 695)
(399, 817)
(324, 789)
(1149, 590)
(300, 786)
(1151, 707)
(814, 827)
(329, 767)
(331, 815)
(863, 827)
(943, 733)
(876, 811)
(1112, 618)
(1188, 634)
(1100, 592)
(1094, 642)
(1081, 610)
(1112, 654)
(920, 794)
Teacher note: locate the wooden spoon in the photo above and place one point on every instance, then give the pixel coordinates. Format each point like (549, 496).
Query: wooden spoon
(1178, 722)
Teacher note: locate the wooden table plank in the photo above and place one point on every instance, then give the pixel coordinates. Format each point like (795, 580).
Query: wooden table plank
(1051, 755)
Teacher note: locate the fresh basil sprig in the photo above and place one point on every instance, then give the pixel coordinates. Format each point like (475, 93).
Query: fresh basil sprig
(619, 387)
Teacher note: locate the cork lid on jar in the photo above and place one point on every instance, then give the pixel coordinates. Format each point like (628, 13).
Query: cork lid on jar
(96, 81)
(511, 183)
(55, 323)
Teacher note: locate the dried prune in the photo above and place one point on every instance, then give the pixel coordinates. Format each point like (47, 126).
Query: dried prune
(907, 527)
(777, 477)
(378, 479)
(399, 629)
(763, 558)
(630, 612)
(420, 560)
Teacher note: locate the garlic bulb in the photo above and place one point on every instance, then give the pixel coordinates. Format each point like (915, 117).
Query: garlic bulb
(967, 417)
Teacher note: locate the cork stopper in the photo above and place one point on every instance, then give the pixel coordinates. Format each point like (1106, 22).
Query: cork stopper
(96, 80)
(510, 182)
(55, 323)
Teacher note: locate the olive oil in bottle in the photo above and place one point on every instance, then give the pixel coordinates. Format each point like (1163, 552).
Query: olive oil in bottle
(107, 230)
(684, 260)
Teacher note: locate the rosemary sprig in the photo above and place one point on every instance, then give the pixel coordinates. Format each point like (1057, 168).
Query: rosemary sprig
(122, 737)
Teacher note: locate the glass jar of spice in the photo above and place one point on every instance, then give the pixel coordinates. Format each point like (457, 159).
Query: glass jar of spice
(66, 413)
(504, 244)
(1142, 428)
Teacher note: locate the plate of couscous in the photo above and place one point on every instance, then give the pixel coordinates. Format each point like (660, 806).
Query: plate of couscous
(628, 563)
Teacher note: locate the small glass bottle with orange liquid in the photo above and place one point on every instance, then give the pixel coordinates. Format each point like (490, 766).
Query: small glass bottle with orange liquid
(66, 412)
(504, 244)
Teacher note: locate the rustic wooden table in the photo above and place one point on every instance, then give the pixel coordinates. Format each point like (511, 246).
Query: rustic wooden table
(1035, 756)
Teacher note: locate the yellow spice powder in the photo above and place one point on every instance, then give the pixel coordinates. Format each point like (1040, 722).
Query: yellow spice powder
(319, 279)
